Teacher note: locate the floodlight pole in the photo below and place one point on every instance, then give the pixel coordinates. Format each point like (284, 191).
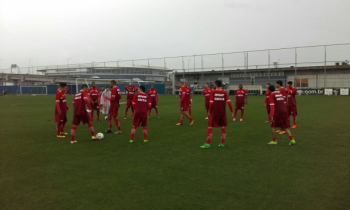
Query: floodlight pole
(29, 66)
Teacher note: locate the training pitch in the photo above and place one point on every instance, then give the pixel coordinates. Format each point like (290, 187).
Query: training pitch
(40, 171)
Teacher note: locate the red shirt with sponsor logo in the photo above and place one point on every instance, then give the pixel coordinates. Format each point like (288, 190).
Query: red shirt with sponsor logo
(277, 105)
(189, 91)
(218, 100)
(282, 90)
(183, 95)
(153, 94)
(79, 104)
(93, 93)
(62, 102)
(240, 96)
(130, 92)
(267, 95)
(141, 103)
(206, 93)
(291, 96)
(115, 97)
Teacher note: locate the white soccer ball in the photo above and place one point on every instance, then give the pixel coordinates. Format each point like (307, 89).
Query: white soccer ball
(100, 136)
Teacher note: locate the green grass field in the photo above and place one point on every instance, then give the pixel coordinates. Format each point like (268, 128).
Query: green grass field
(40, 171)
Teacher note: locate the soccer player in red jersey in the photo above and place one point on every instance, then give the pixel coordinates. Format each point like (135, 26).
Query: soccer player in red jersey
(183, 104)
(153, 94)
(61, 110)
(292, 104)
(241, 99)
(217, 113)
(267, 103)
(279, 115)
(130, 89)
(114, 106)
(141, 103)
(282, 90)
(206, 92)
(80, 102)
(189, 98)
(94, 93)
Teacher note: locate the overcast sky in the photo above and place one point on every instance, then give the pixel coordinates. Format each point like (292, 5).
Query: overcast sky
(51, 31)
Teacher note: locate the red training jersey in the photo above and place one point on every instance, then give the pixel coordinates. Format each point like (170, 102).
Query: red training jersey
(267, 95)
(93, 93)
(206, 93)
(141, 103)
(218, 100)
(240, 96)
(115, 97)
(282, 90)
(277, 105)
(130, 92)
(183, 95)
(153, 94)
(80, 102)
(291, 96)
(61, 102)
(189, 91)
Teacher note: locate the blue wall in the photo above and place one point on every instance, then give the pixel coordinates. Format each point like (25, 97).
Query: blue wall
(51, 89)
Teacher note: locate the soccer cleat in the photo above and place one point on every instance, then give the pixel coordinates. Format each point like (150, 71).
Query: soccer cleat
(72, 142)
(273, 142)
(178, 123)
(145, 141)
(158, 117)
(192, 122)
(93, 137)
(106, 118)
(124, 118)
(234, 119)
(221, 145)
(149, 117)
(291, 142)
(131, 141)
(206, 118)
(282, 132)
(267, 121)
(278, 131)
(118, 132)
(205, 146)
(241, 119)
(108, 131)
(63, 133)
(60, 136)
(98, 121)
(294, 126)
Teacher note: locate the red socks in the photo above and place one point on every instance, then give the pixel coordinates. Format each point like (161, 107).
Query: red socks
(133, 130)
(274, 139)
(92, 115)
(98, 115)
(72, 132)
(242, 112)
(117, 123)
(58, 129)
(126, 112)
(109, 122)
(223, 135)
(156, 111)
(91, 128)
(235, 113)
(209, 134)
(294, 120)
(145, 133)
(290, 137)
(190, 112)
(181, 121)
(62, 127)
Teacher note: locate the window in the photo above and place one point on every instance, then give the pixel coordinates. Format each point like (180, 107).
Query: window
(301, 82)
